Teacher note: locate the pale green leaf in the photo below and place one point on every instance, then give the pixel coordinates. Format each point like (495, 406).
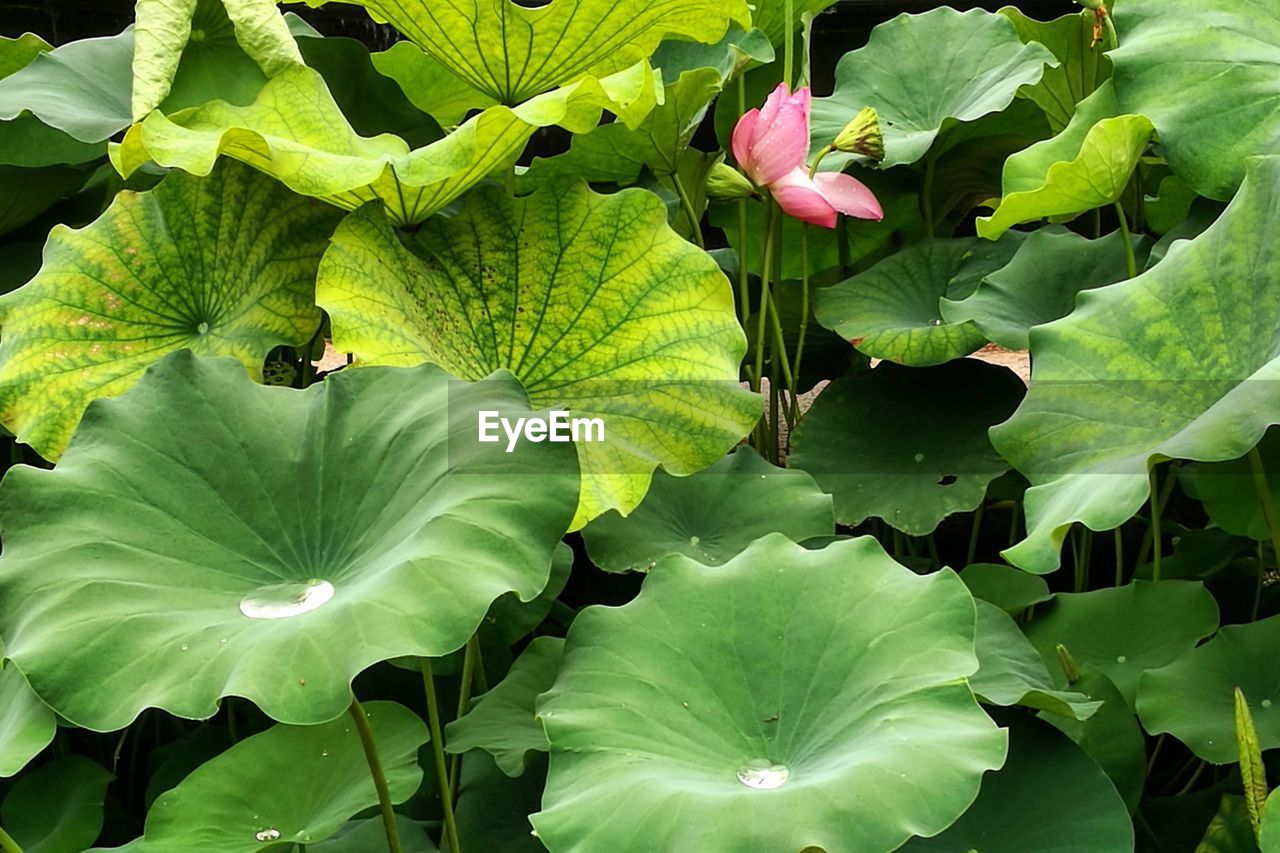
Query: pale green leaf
(161, 31)
(1082, 66)
(57, 808)
(1087, 165)
(241, 536)
(752, 697)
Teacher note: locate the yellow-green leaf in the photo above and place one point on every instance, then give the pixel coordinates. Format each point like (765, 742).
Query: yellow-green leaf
(1086, 166)
(512, 52)
(221, 266)
(591, 300)
(160, 33)
(295, 132)
(1253, 775)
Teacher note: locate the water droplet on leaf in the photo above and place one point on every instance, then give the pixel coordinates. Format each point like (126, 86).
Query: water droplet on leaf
(1121, 659)
(268, 834)
(282, 600)
(763, 776)
(1266, 703)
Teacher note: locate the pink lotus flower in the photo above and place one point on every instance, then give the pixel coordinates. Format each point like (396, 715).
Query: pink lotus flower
(770, 144)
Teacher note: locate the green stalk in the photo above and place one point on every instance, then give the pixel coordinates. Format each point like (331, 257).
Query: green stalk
(1261, 486)
(766, 267)
(927, 198)
(7, 844)
(804, 303)
(695, 221)
(437, 749)
(379, 777)
(973, 535)
(790, 43)
(1130, 261)
(469, 658)
(1155, 524)
(1119, 558)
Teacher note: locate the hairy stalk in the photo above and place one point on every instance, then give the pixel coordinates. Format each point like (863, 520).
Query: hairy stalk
(437, 750)
(379, 777)
(766, 267)
(1130, 261)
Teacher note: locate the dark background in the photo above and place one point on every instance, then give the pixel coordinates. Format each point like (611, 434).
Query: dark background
(843, 27)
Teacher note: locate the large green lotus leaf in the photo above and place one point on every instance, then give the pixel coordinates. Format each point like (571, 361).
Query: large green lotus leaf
(1010, 671)
(502, 722)
(1152, 368)
(1230, 494)
(296, 132)
(1193, 697)
(908, 445)
(243, 535)
(27, 193)
(27, 141)
(1124, 631)
(753, 697)
(27, 725)
(1087, 165)
(591, 300)
(1206, 75)
(430, 85)
(1010, 589)
(512, 52)
(80, 88)
(493, 808)
(891, 310)
(221, 266)
(1111, 735)
(1082, 67)
(289, 784)
(916, 91)
(57, 808)
(615, 153)
(509, 619)
(712, 515)
(1040, 284)
(163, 29)
(1022, 806)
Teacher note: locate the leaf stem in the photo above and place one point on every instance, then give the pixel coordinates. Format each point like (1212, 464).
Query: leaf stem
(1119, 558)
(379, 777)
(973, 534)
(469, 659)
(1156, 507)
(926, 196)
(695, 221)
(766, 266)
(1130, 260)
(437, 749)
(790, 43)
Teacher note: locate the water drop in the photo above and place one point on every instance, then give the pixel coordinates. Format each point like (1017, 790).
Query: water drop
(282, 600)
(694, 540)
(184, 647)
(202, 329)
(934, 321)
(268, 834)
(919, 457)
(223, 641)
(1121, 659)
(1266, 703)
(763, 776)
(324, 753)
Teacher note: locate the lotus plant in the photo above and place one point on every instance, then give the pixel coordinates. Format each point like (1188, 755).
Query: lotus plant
(770, 144)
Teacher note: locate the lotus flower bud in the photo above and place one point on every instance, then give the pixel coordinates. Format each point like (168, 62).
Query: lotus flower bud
(862, 136)
(725, 183)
